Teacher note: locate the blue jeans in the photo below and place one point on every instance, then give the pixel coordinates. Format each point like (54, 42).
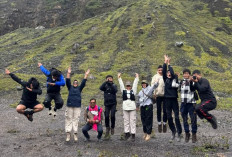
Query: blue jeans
(185, 110)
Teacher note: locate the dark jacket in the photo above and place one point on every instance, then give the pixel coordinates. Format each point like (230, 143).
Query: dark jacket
(28, 96)
(169, 91)
(124, 95)
(204, 90)
(59, 82)
(74, 96)
(110, 90)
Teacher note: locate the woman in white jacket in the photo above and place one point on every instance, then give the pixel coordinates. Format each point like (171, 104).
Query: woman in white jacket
(129, 106)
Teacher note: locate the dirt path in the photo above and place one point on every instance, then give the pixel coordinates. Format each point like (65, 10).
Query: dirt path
(45, 137)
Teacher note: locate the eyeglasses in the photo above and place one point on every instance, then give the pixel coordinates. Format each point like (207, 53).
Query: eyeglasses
(75, 82)
(92, 102)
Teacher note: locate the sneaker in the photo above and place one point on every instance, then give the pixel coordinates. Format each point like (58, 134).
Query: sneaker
(187, 137)
(68, 137)
(179, 138)
(75, 137)
(29, 115)
(112, 131)
(50, 112)
(144, 136)
(99, 140)
(213, 122)
(133, 137)
(173, 136)
(164, 128)
(159, 128)
(54, 113)
(148, 137)
(194, 137)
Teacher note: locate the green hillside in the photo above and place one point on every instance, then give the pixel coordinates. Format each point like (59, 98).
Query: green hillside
(131, 39)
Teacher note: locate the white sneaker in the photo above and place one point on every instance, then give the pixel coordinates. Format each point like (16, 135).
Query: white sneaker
(68, 137)
(54, 113)
(75, 137)
(50, 112)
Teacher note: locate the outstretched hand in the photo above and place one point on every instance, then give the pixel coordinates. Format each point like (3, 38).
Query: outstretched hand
(39, 64)
(165, 58)
(87, 72)
(7, 72)
(69, 70)
(136, 75)
(119, 75)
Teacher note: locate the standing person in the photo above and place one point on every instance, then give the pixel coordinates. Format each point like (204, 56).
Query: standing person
(73, 108)
(208, 100)
(170, 95)
(188, 104)
(54, 81)
(93, 117)
(110, 102)
(129, 106)
(146, 107)
(29, 97)
(159, 95)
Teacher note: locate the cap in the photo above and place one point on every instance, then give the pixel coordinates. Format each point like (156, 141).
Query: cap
(128, 83)
(144, 81)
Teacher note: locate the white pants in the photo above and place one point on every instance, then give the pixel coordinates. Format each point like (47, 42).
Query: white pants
(129, 121)
(72, 115)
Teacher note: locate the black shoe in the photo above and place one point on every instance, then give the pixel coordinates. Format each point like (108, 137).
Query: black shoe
(29, 115)
(173, 136)
(133, 137)
(112, 131)
(159, 128)
(187, 137)
(127, 136)
(213, 122)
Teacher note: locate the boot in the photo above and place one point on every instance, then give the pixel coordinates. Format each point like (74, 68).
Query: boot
(127, 136)
(133, 137)
(112, 131)
(187, 136)
(75, 137)
(173, 136)
(144, 136)
(68, 137)
(213, 122)
(164, 128)
(160, 128)
(179, 138)
(107, 132)
(194, 137)
(148, 137)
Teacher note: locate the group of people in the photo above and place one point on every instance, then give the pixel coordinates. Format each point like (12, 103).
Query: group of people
(163, 91)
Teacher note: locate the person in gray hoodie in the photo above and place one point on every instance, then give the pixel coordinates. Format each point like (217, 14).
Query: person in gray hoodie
(146, 107)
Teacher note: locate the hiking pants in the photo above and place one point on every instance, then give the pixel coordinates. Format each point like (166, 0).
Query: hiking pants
(185, 110)
(88, 127)
(147, 118)
(110, 111)
(203, 108)
(53, 96)
(172, 105)
(129, 121)
(161, 106)
(72, 115)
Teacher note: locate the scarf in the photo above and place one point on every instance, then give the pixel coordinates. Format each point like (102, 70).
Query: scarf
(96, 115)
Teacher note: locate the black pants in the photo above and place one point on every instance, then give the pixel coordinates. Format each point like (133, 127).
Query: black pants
(172, 105)
(110, 111)
(185, 110)
(203, 108)
(147, 118)
(159, 102)
(88, 127)
(53, 96)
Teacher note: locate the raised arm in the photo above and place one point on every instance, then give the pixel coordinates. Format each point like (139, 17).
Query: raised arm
(68, 80)
(122, 87)
(43, 69)
(15, 78)
(135, 83)
(153, 88)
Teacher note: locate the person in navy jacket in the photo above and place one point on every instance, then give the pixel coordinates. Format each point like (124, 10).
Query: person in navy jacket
(54, 81)
(73, 108)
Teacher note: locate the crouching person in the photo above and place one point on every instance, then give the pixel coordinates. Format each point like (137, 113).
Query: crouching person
(146, 108)
(129, 106)
(93, 117)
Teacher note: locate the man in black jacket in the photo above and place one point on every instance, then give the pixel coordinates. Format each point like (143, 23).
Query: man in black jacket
(170, 95)
(29, 97)
(208, 100)
(110, 102)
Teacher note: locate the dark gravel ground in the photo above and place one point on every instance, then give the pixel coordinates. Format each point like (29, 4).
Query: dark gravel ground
(45, 137)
